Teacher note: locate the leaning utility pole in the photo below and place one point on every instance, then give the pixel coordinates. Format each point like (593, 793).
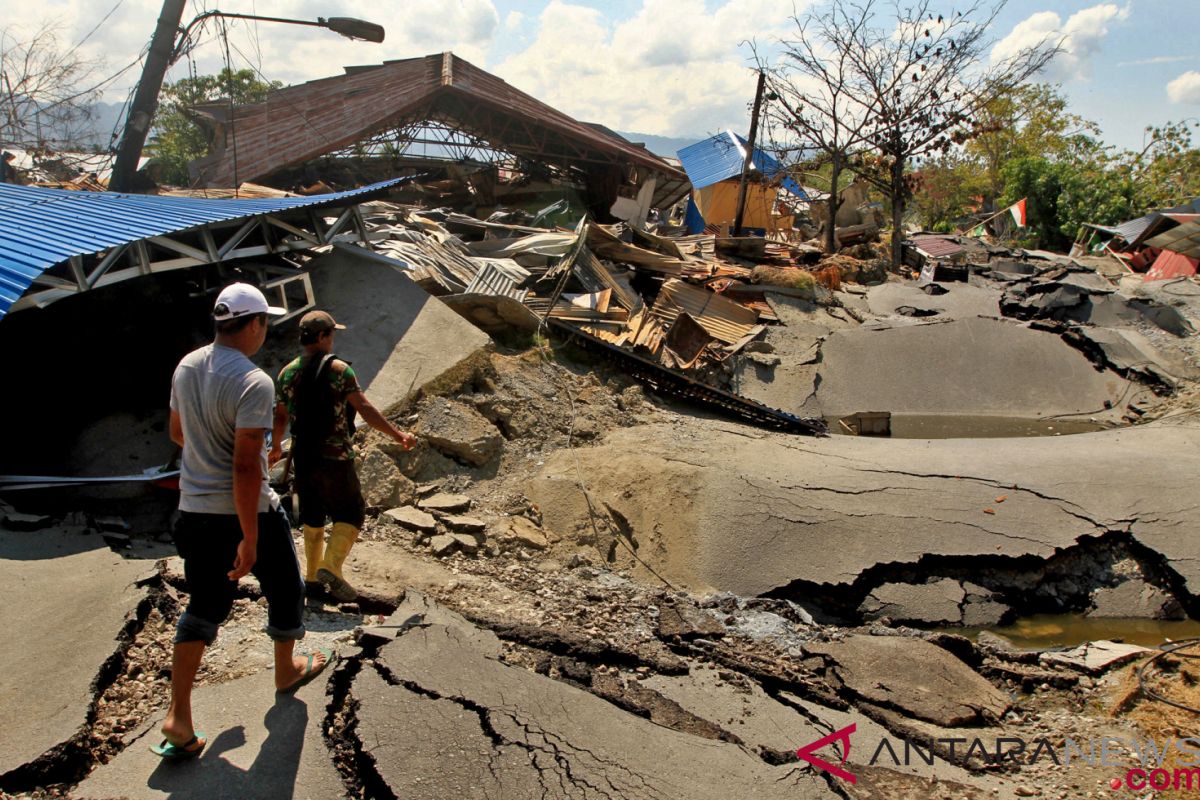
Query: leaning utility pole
(741, 201)
(145, 100)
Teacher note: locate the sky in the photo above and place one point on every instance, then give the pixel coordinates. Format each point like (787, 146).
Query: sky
(677, 68)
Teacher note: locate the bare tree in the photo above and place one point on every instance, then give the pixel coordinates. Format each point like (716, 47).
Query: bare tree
(45, 94)
(816, 100)
(925, 77)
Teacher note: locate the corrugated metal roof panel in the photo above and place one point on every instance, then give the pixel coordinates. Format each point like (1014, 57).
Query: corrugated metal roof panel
(1171, 265)
(720, 158)
(723, 318)
(40, 228)
(936, 246)
(1184, 238)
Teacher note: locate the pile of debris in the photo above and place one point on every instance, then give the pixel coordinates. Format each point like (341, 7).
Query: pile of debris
(683, 305)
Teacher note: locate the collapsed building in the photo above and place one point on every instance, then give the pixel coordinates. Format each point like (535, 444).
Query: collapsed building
(441, 113)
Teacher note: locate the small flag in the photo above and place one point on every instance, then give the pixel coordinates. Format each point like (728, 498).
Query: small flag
(1018, 212)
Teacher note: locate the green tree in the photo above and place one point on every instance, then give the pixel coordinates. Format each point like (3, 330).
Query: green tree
(1027, 121)
(1167, 171)
(177, 137)
(945, 187)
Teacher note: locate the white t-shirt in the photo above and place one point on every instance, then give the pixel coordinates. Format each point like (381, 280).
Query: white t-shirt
(216, 390)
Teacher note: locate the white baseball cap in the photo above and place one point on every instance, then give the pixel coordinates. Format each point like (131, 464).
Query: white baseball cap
(239, 299)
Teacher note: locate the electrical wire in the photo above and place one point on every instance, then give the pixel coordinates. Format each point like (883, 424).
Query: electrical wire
(95, 28)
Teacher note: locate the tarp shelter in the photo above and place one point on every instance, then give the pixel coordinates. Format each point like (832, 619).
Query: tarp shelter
(714, 166)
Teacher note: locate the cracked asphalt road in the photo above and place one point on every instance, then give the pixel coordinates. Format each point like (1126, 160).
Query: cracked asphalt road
(715, 509)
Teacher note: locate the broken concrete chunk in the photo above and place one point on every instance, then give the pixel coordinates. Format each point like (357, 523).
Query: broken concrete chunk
(522, 532)
(466, 542)
(914, 676)
(383, 484)
(928, 603)
(464, 524)
(688, 622)
(447, 503)
(459, 431)
(443, 544)
(1096, 657)
(1135, 598)
(412, 519)
(16, 521)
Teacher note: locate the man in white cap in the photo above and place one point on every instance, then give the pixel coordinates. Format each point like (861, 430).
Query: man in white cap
(230, 521)
(319, 395)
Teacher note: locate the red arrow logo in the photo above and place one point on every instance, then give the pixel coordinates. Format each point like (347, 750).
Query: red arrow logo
(806, 753)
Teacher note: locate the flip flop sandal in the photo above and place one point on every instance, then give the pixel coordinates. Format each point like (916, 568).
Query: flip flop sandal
(309, 672)
(168, 751)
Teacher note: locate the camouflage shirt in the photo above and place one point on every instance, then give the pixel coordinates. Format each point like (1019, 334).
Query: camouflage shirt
(339, 445)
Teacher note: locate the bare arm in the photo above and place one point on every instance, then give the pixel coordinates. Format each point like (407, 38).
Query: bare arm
(247, 487)
(378, 421)
(278, 431)
(176, 428)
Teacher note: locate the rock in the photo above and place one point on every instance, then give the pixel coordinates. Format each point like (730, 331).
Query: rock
(459, 431)
(426, 489)
(412, 519)
(16, 521)
(114, 524)
(464, 524)
(448, 503)
(688, 622)
(1095, 657)
(994, 641)
(521, 532)
(443, 545)
(383, 484)
(929, 603)
(1135, 598)
(915, 677)
(466, 543)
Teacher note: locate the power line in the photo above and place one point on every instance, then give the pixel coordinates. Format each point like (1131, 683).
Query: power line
(95, 28)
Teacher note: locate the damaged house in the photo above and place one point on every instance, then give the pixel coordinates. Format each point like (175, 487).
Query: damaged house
(435, 113)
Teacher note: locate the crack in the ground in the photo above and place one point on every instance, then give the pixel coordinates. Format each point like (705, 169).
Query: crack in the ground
(69, 762)
(556, 748)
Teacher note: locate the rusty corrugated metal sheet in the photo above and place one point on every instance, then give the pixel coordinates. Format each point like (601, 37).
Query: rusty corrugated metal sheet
(936, 246)
(491, 280)
(723, 318)
(1171, 265)
(301, 122)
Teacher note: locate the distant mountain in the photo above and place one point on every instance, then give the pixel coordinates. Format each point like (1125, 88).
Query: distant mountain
(662, 145)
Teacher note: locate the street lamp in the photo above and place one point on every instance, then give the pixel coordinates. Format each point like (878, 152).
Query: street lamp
(166, 47)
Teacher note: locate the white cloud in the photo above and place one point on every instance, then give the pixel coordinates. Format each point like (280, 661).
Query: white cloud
(514, 20)
(673, 68)
(1142, 62)
(1185, 90)
(1081, 36)
(289, 53)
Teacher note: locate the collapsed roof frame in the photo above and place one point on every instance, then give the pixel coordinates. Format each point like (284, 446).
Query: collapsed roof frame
(56, 244)
(297, 124)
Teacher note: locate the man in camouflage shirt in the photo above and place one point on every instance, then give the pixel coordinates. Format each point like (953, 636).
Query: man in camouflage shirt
(318, 394)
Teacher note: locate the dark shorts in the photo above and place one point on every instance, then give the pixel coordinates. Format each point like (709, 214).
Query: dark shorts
(208, 545)
(329, 489)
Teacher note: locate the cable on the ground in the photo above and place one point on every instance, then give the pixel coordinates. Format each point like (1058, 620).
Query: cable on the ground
(1145, 669)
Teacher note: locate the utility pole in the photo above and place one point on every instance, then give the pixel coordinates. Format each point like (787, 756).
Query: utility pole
(741, 201)
(145, 99)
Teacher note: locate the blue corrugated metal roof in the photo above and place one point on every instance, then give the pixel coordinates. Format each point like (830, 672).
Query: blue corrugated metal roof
(40, 228)
(720, 158)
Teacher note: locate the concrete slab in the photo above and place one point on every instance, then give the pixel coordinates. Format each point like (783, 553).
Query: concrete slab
(1096, 657)
(443, 720)
(262, 746)
(961, 301)
(919, 678)
(67, 598)
(399, 337)
(718, 506)
(964, 367)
